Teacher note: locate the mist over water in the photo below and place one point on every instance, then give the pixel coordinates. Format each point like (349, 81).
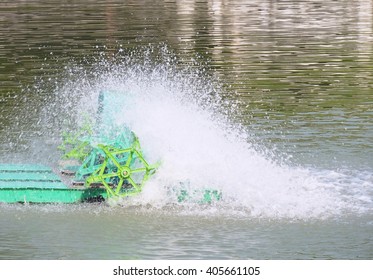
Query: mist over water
(183, 120)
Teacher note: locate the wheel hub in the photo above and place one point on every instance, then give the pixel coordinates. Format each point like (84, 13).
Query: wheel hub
(125, 172)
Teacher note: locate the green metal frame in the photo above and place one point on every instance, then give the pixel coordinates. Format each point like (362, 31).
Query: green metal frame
(115, 160)
(94, 160)
(76, 145)
(110, 157)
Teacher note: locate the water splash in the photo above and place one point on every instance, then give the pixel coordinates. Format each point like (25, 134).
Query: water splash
(181, 116)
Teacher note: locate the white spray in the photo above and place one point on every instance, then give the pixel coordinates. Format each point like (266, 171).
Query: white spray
(177, 114)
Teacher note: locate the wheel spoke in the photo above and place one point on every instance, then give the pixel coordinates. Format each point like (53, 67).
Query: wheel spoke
(144, 169)
(128, 162)
(133, 183)
(120, 184)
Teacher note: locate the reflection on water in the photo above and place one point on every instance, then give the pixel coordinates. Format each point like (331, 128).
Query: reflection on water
(300, 68)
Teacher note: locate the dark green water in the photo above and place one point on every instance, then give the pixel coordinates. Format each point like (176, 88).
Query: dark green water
(298, 75)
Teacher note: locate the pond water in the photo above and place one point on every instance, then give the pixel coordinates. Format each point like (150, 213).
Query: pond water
(269, 101)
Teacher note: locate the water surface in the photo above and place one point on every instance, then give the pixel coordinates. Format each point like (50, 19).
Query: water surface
(295, 75)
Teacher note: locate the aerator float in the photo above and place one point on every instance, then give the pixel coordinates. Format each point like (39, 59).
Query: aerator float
(100, 162)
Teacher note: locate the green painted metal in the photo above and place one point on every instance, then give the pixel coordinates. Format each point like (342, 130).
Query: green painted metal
(76, 144)
(89, 165)
(95, 159)
(38, 184)
(112, 165)
(115, 159)
(50, 195)
(123, 171)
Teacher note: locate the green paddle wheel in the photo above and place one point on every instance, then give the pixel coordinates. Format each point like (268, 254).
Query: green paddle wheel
(76, 145)
(123, 171)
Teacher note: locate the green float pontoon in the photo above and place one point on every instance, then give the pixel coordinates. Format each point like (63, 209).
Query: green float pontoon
(109, 163)
(28, 183)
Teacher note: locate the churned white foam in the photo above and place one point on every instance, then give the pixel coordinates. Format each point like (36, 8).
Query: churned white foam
(194, 146)
(177, 115)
